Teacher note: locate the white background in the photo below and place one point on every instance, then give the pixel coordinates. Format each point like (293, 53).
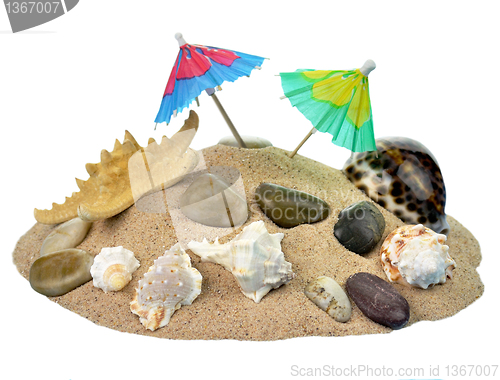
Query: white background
(70, 87)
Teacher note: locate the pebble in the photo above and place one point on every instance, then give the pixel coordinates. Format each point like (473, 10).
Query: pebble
(288, 207)
(378, 300)
(67, 235)
(360, 227)
(327, 294)
(211, 201)
(252, 142)
(58, 273)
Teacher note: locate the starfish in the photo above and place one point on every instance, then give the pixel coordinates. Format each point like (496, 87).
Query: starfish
(110, 189)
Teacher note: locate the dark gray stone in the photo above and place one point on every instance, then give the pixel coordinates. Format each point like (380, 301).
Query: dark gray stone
(289, 207)
(378, 300)
(360, 227)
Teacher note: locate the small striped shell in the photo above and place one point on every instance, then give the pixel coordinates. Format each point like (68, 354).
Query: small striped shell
(170, 283)
(417, 256)
(112, 269)
(403, 176)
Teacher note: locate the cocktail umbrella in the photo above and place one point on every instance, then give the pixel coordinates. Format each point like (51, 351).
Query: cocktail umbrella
(337, 102)
(201, 68)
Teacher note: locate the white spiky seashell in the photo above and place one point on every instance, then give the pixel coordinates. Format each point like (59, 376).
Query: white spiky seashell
(113, 267)
(417, 256)
(170, 283)
(254, 257)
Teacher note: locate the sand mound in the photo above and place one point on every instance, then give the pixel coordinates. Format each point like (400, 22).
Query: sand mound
(221, 311)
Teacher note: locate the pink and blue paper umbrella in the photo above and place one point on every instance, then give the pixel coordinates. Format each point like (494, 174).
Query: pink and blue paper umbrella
(199, 68)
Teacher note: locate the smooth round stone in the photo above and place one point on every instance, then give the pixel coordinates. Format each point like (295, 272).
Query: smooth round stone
(360, 227)
(378, 300)
(58, 273)
(252, 142)
(289, 207)
(67, 235)
(328, 295)
(211, 201)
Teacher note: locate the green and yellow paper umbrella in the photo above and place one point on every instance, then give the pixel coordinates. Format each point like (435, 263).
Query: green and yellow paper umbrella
(335, 101)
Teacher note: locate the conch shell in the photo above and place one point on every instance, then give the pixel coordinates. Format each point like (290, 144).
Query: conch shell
(170, 283)
(108, 190)
(417, 256)
(254, 257)
(113, 267)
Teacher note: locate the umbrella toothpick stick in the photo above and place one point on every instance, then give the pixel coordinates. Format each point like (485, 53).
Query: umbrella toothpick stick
(336, 102)
(311, 132)
(199, 67)
(239, 140)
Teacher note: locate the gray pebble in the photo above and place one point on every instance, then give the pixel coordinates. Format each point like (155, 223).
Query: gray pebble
(289, 207)
(360, 227)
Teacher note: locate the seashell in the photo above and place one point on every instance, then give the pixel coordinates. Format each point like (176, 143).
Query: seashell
(329, 296)
(67, 235)
(170, 283)
(416, 256)
(405, 179)
(113, 267)
(58, 273)
(108, 190)
(254, 257)
(159, 166)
